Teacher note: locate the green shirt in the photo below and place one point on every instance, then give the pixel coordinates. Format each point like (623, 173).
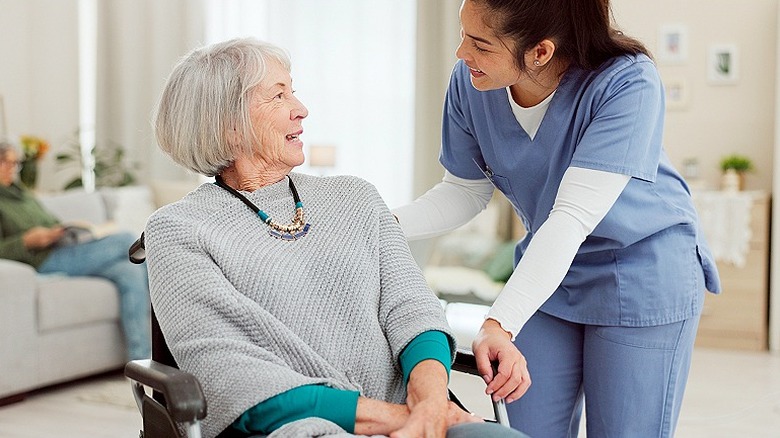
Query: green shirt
(20, 211)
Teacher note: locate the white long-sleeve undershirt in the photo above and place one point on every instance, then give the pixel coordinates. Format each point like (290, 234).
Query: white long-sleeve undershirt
(445, 207)
(584, 198)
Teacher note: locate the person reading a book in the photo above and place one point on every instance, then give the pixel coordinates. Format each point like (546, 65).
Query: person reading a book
(32, 235)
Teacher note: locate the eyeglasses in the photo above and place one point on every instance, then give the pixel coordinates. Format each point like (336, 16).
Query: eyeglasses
(13, 163)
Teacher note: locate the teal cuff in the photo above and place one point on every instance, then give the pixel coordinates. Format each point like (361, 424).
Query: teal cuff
(432, 344)
(335, 405)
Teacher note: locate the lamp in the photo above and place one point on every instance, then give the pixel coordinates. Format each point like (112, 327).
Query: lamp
(322, 156)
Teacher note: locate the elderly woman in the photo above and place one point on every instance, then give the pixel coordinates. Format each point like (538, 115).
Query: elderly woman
(294, 299)
(31, 235)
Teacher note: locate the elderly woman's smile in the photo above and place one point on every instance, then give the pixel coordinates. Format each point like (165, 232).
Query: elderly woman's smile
(294, 137)
(276, 113)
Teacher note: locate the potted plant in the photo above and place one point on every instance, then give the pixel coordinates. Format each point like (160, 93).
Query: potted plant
(33, 148)
(111, 169)
(734, 168)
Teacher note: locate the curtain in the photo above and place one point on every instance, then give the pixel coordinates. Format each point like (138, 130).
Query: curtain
(438, 35)
(139, 42)
(353, 68)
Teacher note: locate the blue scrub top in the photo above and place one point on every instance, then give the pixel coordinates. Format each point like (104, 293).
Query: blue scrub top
(647, 262)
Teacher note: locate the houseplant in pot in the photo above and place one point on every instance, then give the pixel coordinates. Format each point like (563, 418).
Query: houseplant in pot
(734, 168)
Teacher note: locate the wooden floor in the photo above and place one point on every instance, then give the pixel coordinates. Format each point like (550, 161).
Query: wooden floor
(729, 394)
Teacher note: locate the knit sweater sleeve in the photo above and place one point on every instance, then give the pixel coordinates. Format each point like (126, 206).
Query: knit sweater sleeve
(408, 307)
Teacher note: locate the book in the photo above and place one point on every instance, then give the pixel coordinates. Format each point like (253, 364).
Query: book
(77, 232)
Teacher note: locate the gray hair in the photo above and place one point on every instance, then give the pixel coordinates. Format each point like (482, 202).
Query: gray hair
(6, 146)
(206, 97)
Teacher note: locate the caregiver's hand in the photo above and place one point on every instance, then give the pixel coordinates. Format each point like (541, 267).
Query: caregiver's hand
(494, 344)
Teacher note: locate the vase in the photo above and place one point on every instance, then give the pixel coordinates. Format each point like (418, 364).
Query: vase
(732, 181)
(29, 173)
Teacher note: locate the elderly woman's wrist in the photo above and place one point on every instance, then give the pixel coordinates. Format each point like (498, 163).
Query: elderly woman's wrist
(376, 417)
(427, 381)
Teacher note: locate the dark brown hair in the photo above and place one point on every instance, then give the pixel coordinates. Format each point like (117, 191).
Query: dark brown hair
(582, 30)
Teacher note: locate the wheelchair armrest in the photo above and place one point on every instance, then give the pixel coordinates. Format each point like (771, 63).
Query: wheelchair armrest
(137, 251)
(183, 394)
(465, 362)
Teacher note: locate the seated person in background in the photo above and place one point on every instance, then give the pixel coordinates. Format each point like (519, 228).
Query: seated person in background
(321, 324)
(31, 235)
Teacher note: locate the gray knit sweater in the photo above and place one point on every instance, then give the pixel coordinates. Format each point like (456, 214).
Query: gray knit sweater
(252, 316)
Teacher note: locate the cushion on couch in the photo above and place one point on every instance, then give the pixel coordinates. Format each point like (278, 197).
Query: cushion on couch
(128, 207)
(502, 264)
(71, 301)
(76, 205)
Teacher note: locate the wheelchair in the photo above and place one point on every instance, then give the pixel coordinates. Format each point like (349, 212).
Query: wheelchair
(175, 403)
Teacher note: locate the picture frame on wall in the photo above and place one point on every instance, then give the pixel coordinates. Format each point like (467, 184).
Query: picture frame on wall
(676, 90)
(723, 64)
(672, 44)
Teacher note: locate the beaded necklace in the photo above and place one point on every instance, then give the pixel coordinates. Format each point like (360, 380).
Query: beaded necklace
(297, 229)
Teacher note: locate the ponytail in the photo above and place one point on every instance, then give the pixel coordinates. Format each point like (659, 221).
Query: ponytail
(582, 30)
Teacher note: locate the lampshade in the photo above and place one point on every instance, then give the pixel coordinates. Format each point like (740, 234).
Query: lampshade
(322, 155)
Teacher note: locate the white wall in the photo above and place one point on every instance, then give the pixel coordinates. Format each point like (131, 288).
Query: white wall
(139, 42)
(728, 118)
(39, 77)
(719, 119)
(39, 72)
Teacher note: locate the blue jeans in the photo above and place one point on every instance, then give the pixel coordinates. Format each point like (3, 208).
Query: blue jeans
(631, 379)
(107, 258)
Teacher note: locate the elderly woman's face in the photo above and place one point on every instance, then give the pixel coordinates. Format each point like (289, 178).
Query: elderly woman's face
(9, 165)
(276, 117)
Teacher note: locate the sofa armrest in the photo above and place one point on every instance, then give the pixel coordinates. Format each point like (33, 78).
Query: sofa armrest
(18, 331)
(18, 284)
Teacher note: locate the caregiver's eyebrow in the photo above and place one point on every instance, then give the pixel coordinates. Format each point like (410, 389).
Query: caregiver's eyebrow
(481, 40)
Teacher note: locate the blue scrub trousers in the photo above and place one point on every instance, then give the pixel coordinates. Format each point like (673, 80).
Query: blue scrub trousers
(632, 379)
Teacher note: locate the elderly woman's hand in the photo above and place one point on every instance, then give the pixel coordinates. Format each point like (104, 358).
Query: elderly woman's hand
(456, 415)
(428, 419)
(42, 237)
(492, 344)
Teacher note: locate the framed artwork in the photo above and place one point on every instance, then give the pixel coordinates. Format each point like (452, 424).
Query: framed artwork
(673, 43)
(723, 64)
(676, 93)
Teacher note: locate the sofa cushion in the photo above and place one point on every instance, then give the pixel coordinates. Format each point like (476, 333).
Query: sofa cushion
(453, 281)
(128, 207)
(502, 264)
(70, 301)
(76, 205)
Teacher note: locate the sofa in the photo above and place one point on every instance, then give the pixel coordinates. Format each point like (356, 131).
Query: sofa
(468, 267)
(472, 264)
(55, 328)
